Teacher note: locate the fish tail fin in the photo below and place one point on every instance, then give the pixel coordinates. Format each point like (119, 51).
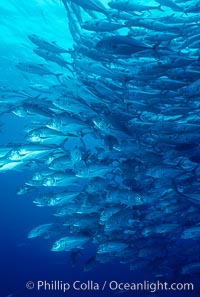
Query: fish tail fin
(58, 77)
(66, 65)
(155, 49)
(36, 97)
(82, 140)
(168, 43)
(156, 45)
(175, 187)
(108, 15)
(160, 8)
(62, 146)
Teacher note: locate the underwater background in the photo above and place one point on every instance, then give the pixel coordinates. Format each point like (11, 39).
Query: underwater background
(145, 93)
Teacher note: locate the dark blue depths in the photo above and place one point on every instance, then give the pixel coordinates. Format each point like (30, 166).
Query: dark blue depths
(99, 148)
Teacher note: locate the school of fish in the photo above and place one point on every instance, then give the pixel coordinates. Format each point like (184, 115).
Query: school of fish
(113, 142)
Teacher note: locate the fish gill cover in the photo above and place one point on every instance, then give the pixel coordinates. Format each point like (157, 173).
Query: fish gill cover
(109, 101)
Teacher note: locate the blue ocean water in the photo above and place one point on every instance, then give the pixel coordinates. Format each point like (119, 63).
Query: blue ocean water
(25, 259)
